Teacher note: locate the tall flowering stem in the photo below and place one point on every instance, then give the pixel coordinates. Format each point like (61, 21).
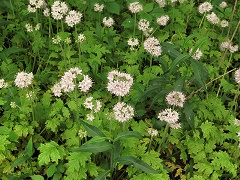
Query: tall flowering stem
(164, 137)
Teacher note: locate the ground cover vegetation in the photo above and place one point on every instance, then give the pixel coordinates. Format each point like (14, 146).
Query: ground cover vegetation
(112, 89)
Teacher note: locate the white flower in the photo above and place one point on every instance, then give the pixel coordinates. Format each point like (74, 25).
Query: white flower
(152, 132)
(67, 40)
(86, 84)
(13, 105)
(98, 7)
(175, 125)
(3, 84)
(197, 55)
(237, 76)
(29, 27)
(59, 9)
(119, 84)
(82, 133)
(123, 112)
(233, 48)
(176, 98)
(224, 23)
(31, 9)
(90, 117)
(143, 24)
(57, 90)
(205, 7)
(46, 12)
(237, 121)
(37, 27)
(23, 79)
(73, 18)
(152, 45)
(161, 3)
(223, 4)
(213, 18)
(81, 38)
(225, 45)
(135, 7)
(133, 42)
(168, 115)
(108, 21)
(162, 21)
(56, 40)
(88, 103)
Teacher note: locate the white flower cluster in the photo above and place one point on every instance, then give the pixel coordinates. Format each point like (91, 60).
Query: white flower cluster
(13, 105)
(30, 28)
(93, 105)
(223, 4)
(82, 133)
(67, 83)
(161, 3)
(236, 121)
(123, 112)
(108, 21)
(237, 76)
(143, 25)
(98, 7)
(56, 40)
(197, 55)
(46, 12)
(36, 4)
(152, 45)
(59, 9)
(23, 79)
(81, 38)
(135, 7)
(176, 98)
(3, 84)
(73, 18)
(162, 21)
(213, 18)
(205, 7)
(171, 117)
(227, 45)
(224, 23)
(152, 132)
(119, 84)
(132, 42)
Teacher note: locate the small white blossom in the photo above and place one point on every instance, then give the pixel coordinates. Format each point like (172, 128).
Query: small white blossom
(37, 27)
(161, 3)
(224, 23)
(13, 105)
(170, 116)
(237, 76)
(152, 45)
(3, 84)
(85, 84)
(81, 38)
(135, 7)
(29, 27)
(46, 12)
(133, 42)
(123, 112)
(57, 90)
(73, 18)
(98, 7)
(233, 49)
(176, 98)
(108, 21)
(205, 7)
(162, 21)
(82, 133)
(23, 79)
(31, 9)
(90, 117)
(152, 132)
(143, 24)
(213, 18)
(236, 121)
(223, 4)
(197, 55)
(59, 9)
(56, 40)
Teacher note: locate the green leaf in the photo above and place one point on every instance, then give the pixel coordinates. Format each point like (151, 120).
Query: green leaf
(37, 177)
(189, 114)
(113, 7)
(19, 161)
(200, 73)
(139, 164)
(198, 45)
(190, 37)
(95, 145)
(103, 175)
(29, 148)
(177, 61)
(92, 130)
(51, 170)
(148, 7)
(128, 134)
(4, 130)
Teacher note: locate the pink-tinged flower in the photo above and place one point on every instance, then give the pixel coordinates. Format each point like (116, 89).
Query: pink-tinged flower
(119, 84)
(205, 7)
(171, 117)
(152, 45)
(175, 98)
(237, 76)
(23, 79)
(123, 112)
(135, 7)
(85, 84)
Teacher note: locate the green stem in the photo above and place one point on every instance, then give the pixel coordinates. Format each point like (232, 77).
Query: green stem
(134, 28)
(150, 143)
(12, 7)
(164, 137)
(202, 20)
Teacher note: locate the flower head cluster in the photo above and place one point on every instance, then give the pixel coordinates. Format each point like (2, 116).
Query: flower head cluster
(237, 76)
(123, 112)
(98, 7)
(223, 4)
(152, 132)
(85, 84)
(227, 45)
(236, 122)
(224, 23)
(66, 83)
(205, 7)
(161, 3)
(213, 18)
(67, 40)
(108, 21)
(152, 45)
(119, 84)
(36, 4)
(162, 21)
(81, 38)
(197, 55)
(73, 18)
(171, 117)
(59, 9)
(56, 40)
(132, 42)
(29, 27)
(143, 25)
(82, 133)
(3, 84)
(176, 98)
(46, 12)
(23, 79)
(13, 105)
(135, 7)
(93, 105)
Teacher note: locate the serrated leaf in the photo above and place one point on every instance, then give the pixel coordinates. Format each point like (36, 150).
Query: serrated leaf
(128, 134)
(4, 130)
(139, 164)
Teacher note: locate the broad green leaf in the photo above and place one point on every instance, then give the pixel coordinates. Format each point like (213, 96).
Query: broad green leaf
(177, 61)
(92, 130)
(51, 170)
(148, 7)
(189, 114)
(37, 177)
(200, 73)
(19, 161)
(198, 45)
(113, 7)
(29, 148)
(103, 175)
(139, 164)
(128, 134)
(190, 37)
(4, 130)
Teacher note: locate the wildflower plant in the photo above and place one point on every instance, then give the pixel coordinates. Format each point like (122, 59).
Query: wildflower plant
(119, 89)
